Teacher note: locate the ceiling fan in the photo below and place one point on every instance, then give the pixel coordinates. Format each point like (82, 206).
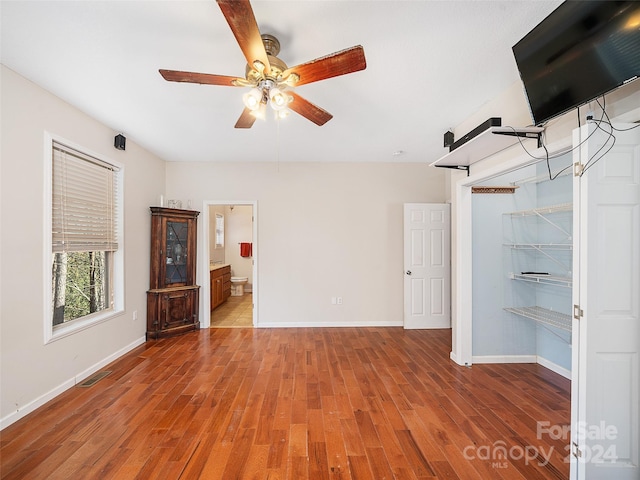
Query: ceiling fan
(269, 78)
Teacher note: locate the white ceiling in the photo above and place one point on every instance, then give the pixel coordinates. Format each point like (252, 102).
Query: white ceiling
(430, 65)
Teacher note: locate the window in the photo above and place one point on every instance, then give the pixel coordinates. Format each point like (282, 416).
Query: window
(219, 231)
(85, 248)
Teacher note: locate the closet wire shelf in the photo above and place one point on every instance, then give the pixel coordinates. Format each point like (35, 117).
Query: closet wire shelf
(563, 207)
(543, 279)
(540, 246)
(544, 316)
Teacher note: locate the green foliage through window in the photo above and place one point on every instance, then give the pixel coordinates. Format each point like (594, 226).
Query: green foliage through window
(79, 284)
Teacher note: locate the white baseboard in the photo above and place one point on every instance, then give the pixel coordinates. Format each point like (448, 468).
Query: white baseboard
(504, 358)
(554, 367)
(454, 358)
(523, 359)
(262, 324)
(51, 394)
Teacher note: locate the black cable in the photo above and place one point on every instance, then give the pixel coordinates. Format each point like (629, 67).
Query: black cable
(593, 160)
(603, 107)
(546, 152)
(547, 157)
(579, 124)
(621, 129)
(551, 157)
(560, 172)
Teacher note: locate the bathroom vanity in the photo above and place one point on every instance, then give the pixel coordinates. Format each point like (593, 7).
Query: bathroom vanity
(220, 284)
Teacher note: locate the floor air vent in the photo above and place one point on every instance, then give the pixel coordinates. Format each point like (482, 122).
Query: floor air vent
(93, 379)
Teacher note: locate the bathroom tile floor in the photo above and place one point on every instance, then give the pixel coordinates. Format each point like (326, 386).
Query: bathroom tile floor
(236, 312)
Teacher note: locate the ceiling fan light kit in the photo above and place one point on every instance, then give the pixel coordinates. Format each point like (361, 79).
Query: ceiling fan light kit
(253, 98)
(260, 112)
(270, 79)
(279, 99)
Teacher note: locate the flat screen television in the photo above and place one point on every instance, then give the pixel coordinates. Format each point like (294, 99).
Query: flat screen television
(581, 51)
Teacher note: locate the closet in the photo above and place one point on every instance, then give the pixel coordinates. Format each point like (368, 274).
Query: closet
(522, 266)
(554, 252)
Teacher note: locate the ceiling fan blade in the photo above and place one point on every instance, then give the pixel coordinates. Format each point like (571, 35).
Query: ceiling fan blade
(246, 119)
(242, 21)
(339, 63)
(203, 78)
(308, 110)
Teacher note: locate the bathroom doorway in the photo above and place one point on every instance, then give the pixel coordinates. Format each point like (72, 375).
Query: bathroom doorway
(231, 283)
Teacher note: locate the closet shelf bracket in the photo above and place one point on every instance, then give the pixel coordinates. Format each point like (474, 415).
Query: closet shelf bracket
(522, 134)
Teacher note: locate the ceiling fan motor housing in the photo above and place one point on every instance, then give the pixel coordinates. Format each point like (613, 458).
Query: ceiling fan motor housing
(271, 44)
(272, 47)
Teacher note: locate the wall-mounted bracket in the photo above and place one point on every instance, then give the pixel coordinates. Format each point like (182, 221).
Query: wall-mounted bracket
(522, 134)
(455, 167)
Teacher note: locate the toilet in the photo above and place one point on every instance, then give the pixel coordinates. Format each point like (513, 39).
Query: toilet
(237, 286)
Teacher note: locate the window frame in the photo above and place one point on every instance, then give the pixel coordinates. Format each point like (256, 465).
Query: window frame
(51, 332)
(219, 230)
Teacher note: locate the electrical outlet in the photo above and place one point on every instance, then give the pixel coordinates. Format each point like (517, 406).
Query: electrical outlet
(135, 315)
(339, 300)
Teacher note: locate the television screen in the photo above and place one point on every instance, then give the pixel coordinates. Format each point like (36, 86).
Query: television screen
(582, 50)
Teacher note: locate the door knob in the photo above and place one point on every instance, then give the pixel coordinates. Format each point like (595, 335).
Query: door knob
(408, 272)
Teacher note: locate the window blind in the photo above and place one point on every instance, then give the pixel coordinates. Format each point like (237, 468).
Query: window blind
(85, 193)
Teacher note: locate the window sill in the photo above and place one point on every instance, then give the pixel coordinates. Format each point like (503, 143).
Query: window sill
(62, 331)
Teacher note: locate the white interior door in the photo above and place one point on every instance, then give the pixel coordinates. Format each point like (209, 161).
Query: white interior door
(605, 422)
(427, 265)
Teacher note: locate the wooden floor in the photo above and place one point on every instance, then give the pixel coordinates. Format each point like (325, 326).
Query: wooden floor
(347, 403)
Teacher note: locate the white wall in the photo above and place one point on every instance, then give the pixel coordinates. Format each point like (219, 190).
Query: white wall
(324, 229)
(30, 371)
(239, 229)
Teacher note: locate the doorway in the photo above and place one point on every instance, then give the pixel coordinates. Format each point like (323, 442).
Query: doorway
(230, 253)
(463, 327)
(521, 266)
